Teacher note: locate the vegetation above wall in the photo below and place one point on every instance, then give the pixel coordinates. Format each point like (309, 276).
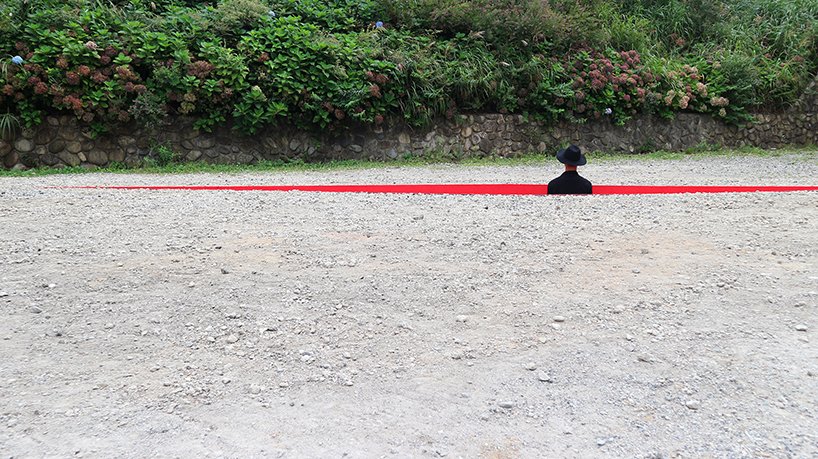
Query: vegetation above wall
(335, 63)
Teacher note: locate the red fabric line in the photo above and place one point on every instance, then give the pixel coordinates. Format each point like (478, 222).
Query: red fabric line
(464, 188)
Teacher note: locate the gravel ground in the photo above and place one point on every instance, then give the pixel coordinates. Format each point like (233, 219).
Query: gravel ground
(292, 324)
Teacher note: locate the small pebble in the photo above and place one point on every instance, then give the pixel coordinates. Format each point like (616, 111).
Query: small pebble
(506, 405)
(559, 319)
(35, 310)
(801, 327)
(531, 366)
(693, 404)
(545, 377)
(232, 339)
(461, 318)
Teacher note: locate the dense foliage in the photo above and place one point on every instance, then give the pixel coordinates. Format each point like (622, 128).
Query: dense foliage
(331, 63)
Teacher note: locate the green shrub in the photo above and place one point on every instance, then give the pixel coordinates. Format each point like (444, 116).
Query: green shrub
(506, 25)
(338, 63)
(331, 15)
(148, 109)
(232, 18)
(438, 77)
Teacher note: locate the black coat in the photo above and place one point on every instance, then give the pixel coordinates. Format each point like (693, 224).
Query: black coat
(569, 182)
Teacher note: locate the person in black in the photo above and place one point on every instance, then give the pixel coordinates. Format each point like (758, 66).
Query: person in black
(570, 181)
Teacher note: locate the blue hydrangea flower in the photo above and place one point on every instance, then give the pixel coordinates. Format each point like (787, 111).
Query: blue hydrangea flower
(379, 24)
(17, 60)
(608, 111)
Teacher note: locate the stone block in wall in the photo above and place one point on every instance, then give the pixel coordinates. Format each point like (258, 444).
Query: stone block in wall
(133, 161)
(97, 157)
(49, 160)
(244, 158)
(56, 146)
(11, 159)
(116, 155)
(23, 145)
(69, 134)
(486, 145)
(73, 146)
(69, 158)
(44, 135)
(126, 141)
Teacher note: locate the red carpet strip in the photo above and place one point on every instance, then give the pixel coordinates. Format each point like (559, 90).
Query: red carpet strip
(463, 188)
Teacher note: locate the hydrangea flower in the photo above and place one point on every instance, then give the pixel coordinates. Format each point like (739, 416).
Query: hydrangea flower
(608, 111)
(379, 24)
(17, 60)
(271, 13)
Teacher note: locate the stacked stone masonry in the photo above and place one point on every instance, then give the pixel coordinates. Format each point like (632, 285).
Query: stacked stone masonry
(62, 141)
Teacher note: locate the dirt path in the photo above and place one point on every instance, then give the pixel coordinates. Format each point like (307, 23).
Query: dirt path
(252, 324)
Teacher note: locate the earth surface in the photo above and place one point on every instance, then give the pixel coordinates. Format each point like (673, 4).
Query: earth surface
(296, 324)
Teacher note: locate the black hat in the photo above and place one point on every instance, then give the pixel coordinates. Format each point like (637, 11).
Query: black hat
(571, 155)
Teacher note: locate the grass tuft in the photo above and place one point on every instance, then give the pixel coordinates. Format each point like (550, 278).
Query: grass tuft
(811, 153)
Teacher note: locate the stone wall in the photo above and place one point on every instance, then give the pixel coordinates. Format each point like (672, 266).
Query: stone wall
(61, 141)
